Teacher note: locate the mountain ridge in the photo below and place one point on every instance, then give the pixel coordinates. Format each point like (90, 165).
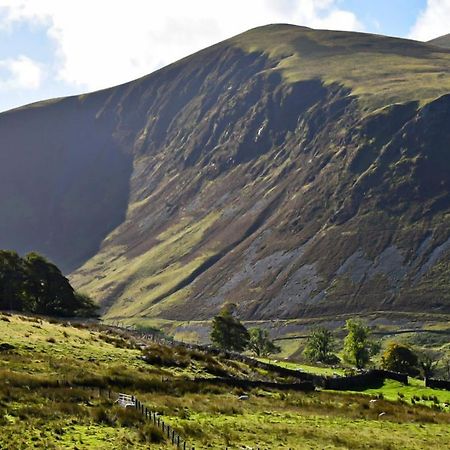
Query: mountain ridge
(252, 171)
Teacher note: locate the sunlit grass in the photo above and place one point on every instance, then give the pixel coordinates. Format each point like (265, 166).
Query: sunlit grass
(380, 71)
(37, 412)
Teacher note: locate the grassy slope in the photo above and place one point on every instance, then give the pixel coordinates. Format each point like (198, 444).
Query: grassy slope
(379, 70)
(442, 41)
(50, 417)
(44, 417)
(149, 275)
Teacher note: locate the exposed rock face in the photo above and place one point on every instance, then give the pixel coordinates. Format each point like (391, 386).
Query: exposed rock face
(289, 186)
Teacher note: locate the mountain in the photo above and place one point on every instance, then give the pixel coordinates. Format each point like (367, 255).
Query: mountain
(296, 172)
(442, 41)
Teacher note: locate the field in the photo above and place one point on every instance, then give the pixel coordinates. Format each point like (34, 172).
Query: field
(50, 398)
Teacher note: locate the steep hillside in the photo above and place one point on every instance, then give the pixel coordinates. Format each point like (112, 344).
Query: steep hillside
(442, 41)
(293, 171)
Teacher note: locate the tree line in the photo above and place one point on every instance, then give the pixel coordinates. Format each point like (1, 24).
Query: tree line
(359, 349)
(228, 333)
(35, 285)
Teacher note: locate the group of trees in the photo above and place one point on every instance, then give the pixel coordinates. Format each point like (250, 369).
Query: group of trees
(228, 333)
(35, 285)
(359, 348)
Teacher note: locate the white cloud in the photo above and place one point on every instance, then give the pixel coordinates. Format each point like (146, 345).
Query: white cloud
(101, 43)
(20, 73)
(433, 22)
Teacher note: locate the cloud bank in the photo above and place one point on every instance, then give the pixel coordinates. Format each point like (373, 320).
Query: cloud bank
(20, 73)
(433, 22)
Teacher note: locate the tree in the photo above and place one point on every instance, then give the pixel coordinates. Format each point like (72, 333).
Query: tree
(357, 347)
(428, 362)
(13, 279)
(227, 331)
(33, 284)
(400, 358)
(85, 306)
(51, 290)
(260, 343)
(319, 346)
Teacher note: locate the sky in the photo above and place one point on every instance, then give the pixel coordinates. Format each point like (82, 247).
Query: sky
(53, 48)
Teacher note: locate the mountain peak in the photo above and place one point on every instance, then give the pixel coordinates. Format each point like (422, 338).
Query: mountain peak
(368, 65)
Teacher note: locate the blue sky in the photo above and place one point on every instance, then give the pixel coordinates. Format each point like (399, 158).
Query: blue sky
(393, 18)
(51, 48)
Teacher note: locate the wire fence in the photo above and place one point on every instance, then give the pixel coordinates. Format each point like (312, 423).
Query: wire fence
(130, 401)
(167, 431)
